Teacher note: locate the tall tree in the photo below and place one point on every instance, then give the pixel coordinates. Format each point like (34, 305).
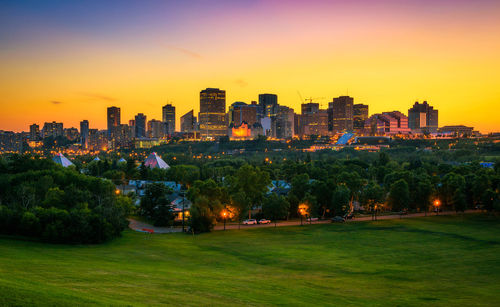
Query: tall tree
(399, 195)
(275, 207)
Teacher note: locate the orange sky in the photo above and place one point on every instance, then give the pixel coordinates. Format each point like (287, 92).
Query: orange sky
(384, 57)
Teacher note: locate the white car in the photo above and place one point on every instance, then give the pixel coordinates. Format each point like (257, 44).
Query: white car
(264, 221)
(250, 222)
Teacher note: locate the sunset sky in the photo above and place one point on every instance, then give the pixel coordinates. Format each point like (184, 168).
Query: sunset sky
(69, 60)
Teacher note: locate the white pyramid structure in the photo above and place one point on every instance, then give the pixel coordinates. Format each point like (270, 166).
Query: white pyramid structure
(154, 161)
(97, 159)
(62, 160)
(122, 161)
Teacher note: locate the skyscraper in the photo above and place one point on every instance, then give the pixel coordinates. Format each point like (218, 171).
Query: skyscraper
(113, 120)
(156, 128)
(34, 132)
(240, 112)
(84, 134)
(359, 116)
(423, 118)
(168, 112)
(268, 104)
(340, 114)
(188, 122)
(140, 126)
(284, 123)
(52, 129)
(212, 114)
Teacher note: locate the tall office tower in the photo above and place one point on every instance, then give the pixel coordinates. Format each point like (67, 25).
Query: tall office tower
(188, 122)
(268, 105)
(113, 120)
(359, 116)
(71, 134)
(140, 126)
(168, 112)
(283, 123)
(156, 128)
(34, 132)
(52, 129)
(340, 114)
(123, 136)
(212, 116)
(310, 108)
(240, 112)
(423, 118)
(84, 134)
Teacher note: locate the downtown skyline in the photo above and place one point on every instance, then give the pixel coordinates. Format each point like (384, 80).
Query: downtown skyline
(69, 61)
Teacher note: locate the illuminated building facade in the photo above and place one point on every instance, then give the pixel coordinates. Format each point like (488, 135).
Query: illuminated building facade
(34, 132)
(268, 105)
(84, 134)
(168, 114)
(387, 123)
(340, 114)
(114, 120)
(283, 123)
(359, 116)
(240, 112)
(422, 118)
(312, 121)
(212, 114)
(188, 122)
(140, 125)
(156, 128)
(52, 129)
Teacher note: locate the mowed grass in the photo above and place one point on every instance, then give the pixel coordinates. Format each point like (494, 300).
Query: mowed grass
(433, 261)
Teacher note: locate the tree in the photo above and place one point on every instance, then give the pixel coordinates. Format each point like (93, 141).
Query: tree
(341, 200)
(399, 195)
(155, 204)
(371, 196)
(275, 207)
(423, 193)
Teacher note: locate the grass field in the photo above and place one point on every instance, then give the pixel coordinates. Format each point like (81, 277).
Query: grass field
(433, 261)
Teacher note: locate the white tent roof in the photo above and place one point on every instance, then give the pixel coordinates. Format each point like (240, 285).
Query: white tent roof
(62, 160)
(154, 161)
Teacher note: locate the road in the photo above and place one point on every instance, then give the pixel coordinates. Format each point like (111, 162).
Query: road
(140, 226)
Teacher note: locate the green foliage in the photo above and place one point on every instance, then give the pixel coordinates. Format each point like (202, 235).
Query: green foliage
(399, 196)
(275, 207)
(341, 200)
(155, 204)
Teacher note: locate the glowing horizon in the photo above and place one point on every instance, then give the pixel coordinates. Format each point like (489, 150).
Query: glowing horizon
(69, 61)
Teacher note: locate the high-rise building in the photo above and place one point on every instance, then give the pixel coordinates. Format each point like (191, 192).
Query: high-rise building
(140, 126)
(71, 134)
(340, 114)
(212, 116)
(359, 116)
(168, 112)
(84, 134)
(52, 129)
(268, 105)
(423, 118)
(312, 121)
(114, 120)
(240, 112)
(188, 122)
(310, 108)
(34, 132)
(387, 123)
(283, 123)
(156, 128)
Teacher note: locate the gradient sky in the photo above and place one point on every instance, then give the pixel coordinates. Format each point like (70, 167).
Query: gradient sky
(69, 60)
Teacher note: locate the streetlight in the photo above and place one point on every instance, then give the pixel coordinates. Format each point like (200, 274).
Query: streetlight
(224, 216)
(437, 203)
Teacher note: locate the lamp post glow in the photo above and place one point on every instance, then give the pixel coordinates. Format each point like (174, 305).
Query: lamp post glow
(437, 203)
(224, 216)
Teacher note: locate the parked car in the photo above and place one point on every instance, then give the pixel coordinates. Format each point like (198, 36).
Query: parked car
(312, 219)
(250, 222)
(264, 221)
(338, 219)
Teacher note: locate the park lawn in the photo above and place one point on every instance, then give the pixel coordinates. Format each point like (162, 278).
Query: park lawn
(436, 261)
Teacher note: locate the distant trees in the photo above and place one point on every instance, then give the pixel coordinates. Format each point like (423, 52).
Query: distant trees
(399, 196)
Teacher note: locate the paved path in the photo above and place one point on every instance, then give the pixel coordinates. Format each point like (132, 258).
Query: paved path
(140, 226)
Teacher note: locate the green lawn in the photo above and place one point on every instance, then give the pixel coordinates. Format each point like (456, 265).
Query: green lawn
(433, 261)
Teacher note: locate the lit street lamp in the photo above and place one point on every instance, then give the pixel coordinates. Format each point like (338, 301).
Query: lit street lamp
(224, 216)
(437, 203)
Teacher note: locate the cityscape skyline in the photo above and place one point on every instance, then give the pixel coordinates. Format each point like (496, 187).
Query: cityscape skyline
(72, 60)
